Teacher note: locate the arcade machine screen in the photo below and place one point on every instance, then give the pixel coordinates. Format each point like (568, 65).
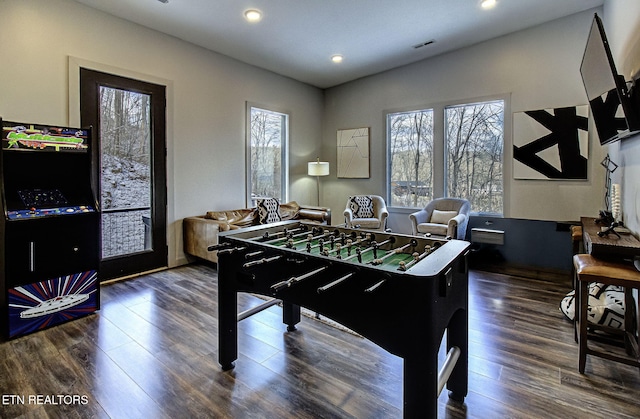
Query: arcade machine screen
(45, 171)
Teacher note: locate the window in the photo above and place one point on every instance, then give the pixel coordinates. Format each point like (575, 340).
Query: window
(125, 162)
(468, 140)
(474, 148)
(410, 141)
(267, 155)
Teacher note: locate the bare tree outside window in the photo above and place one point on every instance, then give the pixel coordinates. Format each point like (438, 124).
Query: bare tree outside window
(125, 180)
(268, 154)
(474, 144)
(410, 137)
(125, 140)
(472, 139)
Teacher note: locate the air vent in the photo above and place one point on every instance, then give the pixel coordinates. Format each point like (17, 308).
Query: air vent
(424, 44)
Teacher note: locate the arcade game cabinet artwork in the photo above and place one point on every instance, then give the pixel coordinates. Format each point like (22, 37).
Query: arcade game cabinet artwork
(49, 227)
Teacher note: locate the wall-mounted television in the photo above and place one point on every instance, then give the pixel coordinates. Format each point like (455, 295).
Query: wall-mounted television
(614, 105)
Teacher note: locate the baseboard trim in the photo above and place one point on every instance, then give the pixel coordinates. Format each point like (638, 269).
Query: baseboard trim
(532, 272)
(124, 278)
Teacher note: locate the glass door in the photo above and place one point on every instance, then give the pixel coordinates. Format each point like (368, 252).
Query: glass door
(129, 124)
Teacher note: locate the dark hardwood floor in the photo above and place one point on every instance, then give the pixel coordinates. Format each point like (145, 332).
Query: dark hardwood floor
(151, 352)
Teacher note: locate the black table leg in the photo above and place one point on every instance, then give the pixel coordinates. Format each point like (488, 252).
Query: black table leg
(290, 315)
(421, 385)
(227, 322)
(457, 335)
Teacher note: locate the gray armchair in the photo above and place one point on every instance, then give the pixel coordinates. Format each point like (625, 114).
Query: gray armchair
(447, 217)
(366, 211)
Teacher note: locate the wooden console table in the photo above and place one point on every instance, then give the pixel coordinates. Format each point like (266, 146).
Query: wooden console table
(607, 263)
(608, 247)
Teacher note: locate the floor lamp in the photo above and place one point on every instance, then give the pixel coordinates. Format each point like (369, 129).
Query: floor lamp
(318, 168)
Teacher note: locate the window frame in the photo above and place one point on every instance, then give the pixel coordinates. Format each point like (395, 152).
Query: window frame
(284, 151)
(440, 150)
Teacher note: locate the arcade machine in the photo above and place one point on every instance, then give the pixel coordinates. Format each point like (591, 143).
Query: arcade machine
(49, 227)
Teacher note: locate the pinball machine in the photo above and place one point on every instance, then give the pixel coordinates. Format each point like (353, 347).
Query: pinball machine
(403, 293)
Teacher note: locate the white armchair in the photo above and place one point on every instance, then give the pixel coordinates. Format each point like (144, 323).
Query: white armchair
(447, 217)
(366, 211)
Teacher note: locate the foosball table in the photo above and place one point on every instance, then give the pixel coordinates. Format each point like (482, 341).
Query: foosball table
(400, 292)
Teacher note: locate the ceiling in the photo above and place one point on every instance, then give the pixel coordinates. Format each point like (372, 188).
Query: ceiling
(296, 38)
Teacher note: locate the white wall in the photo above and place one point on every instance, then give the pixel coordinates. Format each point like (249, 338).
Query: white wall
(538, 68)
(207, 93)
(622, 24)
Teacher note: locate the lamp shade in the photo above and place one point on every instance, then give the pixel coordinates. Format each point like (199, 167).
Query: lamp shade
(318, 168)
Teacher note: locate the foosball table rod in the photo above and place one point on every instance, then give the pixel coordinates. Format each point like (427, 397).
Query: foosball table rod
(334, 283)
(375, 286)
(231, 250)
(447, 368)
(262, 261)
(257, 309)
(287, 283)
(218, 246)
(290, 235)
(396, 251)
(277, 235)
(417, 257)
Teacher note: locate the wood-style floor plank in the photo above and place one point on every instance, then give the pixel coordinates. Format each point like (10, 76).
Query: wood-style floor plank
(151, 352)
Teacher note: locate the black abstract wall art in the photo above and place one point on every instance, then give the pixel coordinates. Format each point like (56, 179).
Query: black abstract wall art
(551, 144)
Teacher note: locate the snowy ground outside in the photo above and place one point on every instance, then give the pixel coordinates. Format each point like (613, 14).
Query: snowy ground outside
(125, 184)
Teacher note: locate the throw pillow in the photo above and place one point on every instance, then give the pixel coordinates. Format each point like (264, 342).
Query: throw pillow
(361, 206)
(606, 305)
(268, 211)
(442, 217)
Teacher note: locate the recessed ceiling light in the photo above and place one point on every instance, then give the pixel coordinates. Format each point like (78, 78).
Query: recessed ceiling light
(253, 15)
(337, 58)
(488, 4)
